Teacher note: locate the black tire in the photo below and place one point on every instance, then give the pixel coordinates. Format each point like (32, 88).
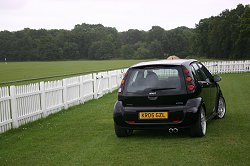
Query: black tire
(199, 128)
(121, 132)
(221, 108)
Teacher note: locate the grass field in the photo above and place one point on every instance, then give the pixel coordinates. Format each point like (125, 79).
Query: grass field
(84, 135)
(27, 70)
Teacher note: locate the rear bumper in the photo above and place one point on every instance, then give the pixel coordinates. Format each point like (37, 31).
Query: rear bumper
(178, 116)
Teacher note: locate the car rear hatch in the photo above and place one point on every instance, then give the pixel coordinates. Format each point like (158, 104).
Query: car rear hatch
(154, 86)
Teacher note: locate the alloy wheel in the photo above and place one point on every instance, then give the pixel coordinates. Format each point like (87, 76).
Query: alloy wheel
(203, 122)
(221, 108)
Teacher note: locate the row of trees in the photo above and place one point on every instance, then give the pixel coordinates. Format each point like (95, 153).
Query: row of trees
(94, 42)
(226, 35)
(223, 36)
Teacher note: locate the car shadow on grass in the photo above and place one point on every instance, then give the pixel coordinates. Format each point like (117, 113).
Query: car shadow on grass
(160, 134)
(183, 133)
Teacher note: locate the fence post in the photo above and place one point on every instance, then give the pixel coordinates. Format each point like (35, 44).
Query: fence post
(110, 81)
(247, 65)
(81, 89)
(118, 76)
(94, 85)
(117, 82)
(42, 89)
(65, 95)
(99, 85)
(14, 106)
(244, 66)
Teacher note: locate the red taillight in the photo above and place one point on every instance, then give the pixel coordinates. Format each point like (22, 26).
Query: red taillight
(122, 83)
(186, 71)
(191, 87)
(189, 79)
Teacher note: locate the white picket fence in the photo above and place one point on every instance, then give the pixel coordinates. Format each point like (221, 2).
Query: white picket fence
(26, 103)
(217, 67)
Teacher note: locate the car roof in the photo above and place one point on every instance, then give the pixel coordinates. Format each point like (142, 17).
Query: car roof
(183, 62)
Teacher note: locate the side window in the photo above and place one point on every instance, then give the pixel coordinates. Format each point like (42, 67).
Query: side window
(205, 71)
(200, 75)
(196, 76)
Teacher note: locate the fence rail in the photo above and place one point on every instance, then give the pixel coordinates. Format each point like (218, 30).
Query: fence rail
(26, 103)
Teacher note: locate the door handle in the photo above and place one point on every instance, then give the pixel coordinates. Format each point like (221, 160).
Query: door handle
(203, 83)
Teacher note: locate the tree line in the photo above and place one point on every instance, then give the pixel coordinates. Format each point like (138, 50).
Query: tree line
(224, 36)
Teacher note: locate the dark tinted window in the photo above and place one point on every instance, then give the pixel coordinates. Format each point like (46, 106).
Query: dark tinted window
(194, 72)
(199, 74)
(153, 78)
(205, 71)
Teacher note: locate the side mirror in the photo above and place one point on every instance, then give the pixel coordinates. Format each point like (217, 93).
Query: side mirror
(217, 78)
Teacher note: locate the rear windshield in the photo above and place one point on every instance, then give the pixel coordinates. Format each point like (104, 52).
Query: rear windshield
(155, 78)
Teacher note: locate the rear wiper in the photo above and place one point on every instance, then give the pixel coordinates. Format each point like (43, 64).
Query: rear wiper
(157, 89)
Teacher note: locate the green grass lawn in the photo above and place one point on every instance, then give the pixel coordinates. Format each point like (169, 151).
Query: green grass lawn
(27, 70)
(84, 135)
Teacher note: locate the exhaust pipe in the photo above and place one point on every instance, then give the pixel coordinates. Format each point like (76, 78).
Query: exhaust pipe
(175, 130)
(170, 130)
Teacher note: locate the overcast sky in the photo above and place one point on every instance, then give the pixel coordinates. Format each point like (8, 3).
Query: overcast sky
(121, 14)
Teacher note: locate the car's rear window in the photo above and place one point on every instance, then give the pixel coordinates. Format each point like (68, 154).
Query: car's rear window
(155, 78)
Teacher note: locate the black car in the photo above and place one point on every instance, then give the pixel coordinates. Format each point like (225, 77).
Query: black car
(168, 94)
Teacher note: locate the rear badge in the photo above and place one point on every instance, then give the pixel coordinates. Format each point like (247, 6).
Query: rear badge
(152, 93)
